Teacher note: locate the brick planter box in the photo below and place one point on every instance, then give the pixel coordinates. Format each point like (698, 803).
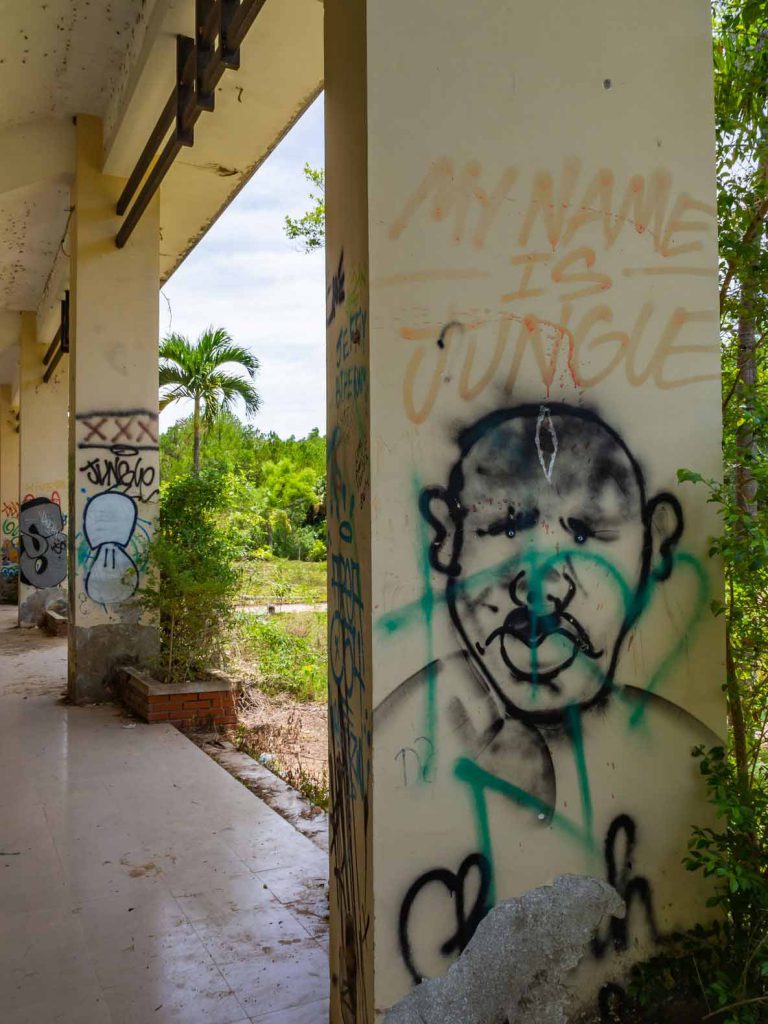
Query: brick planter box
(54, 623)
(192, 705)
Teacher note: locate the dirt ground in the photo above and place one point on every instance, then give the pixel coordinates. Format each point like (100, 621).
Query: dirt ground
(293, 735)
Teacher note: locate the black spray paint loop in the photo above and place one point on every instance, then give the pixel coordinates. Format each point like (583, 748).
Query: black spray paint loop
(612, 1003)
(466, 925)
(632, 889)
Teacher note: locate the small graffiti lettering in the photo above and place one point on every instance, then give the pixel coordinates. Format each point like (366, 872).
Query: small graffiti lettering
(351, 383)
(335, 291)
(122, 470)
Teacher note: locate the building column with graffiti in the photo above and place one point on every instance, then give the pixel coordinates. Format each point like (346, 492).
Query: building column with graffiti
(113, 437)
(42, 515)
(9, 498)
(523, 352)
(349, 525)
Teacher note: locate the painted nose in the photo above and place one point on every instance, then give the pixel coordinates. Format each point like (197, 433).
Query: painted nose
(543, 590)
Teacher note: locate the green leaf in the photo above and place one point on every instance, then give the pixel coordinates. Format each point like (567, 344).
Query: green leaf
(688, 476)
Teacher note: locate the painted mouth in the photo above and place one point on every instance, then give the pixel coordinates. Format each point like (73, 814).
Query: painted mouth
(538, 634)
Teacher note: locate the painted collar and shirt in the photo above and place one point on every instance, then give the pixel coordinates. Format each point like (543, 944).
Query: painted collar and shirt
(507, 806)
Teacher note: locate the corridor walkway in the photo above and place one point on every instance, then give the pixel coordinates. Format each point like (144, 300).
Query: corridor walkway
(139, 882)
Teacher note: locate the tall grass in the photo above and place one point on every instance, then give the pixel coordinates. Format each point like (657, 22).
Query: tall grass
(289, 651)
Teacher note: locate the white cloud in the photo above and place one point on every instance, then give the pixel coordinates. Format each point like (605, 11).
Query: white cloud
(270, 295)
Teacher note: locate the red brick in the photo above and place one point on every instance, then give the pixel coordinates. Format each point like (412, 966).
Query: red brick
(157, 716)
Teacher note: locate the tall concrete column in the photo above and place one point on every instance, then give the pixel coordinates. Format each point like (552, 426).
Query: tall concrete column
(9, 497)
(113, 438)
(349, 518)
(42, 479)
(523, 351)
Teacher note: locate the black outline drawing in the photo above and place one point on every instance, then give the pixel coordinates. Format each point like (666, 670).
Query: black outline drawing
(43, 554)
(448, 563)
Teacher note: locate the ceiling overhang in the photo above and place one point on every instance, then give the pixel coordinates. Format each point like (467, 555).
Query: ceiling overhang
(118, 62)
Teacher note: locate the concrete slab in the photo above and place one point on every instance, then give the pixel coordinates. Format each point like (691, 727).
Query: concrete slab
(139, 880)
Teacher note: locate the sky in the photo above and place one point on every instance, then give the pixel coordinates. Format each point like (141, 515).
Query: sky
(266, 291)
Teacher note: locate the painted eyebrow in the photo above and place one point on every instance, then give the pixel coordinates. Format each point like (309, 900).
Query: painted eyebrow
(512, 522)
(596, 519)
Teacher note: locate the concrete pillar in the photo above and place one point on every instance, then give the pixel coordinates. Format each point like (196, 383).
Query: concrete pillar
(349, 519)
(114, 425)
(42, 479)
(522, 267)
(9, 498)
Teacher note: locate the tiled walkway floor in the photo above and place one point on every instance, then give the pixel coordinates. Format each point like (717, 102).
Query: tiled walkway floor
(139, 882)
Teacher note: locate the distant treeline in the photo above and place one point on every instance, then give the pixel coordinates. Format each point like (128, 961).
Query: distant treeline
(274, 487)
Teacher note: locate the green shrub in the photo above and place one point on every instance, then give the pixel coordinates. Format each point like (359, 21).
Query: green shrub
(268, 576)
(722, 968)
(193, 579)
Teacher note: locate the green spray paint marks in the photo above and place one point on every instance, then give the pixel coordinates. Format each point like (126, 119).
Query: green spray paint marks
(83, 551)
(537, 565)
(573, 725)
(659, 674)
(634, 605)
(481, 782)
(408, 614)
(427, 610)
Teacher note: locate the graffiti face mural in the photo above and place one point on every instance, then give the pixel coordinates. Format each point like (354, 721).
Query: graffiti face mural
(549, 544)
(43, 560)
(547, 552)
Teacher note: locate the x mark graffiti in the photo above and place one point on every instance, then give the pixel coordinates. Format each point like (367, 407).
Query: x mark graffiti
(115, 427)
(95, 429)
(145, 428)
(123, 431)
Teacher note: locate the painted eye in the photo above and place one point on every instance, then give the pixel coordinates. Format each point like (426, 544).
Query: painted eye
(511, 531)
(581, 532)
(578, 530)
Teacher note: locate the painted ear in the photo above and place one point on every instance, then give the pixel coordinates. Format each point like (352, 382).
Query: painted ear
(664, 518)
(443, 515)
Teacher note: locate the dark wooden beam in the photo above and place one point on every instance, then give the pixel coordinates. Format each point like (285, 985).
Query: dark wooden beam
(242, 19)
(220, 27)
(151, 185)
(154, 142)
(53, 346)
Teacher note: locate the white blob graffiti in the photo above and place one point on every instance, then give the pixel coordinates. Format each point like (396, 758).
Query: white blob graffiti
(545, 426)
(109, 520)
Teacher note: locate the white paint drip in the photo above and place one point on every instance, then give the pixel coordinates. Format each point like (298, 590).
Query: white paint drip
(545, 421)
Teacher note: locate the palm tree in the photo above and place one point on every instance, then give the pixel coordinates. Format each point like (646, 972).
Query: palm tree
(194, 370)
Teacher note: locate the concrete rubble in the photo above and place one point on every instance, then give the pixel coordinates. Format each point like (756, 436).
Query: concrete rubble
(515, 969)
